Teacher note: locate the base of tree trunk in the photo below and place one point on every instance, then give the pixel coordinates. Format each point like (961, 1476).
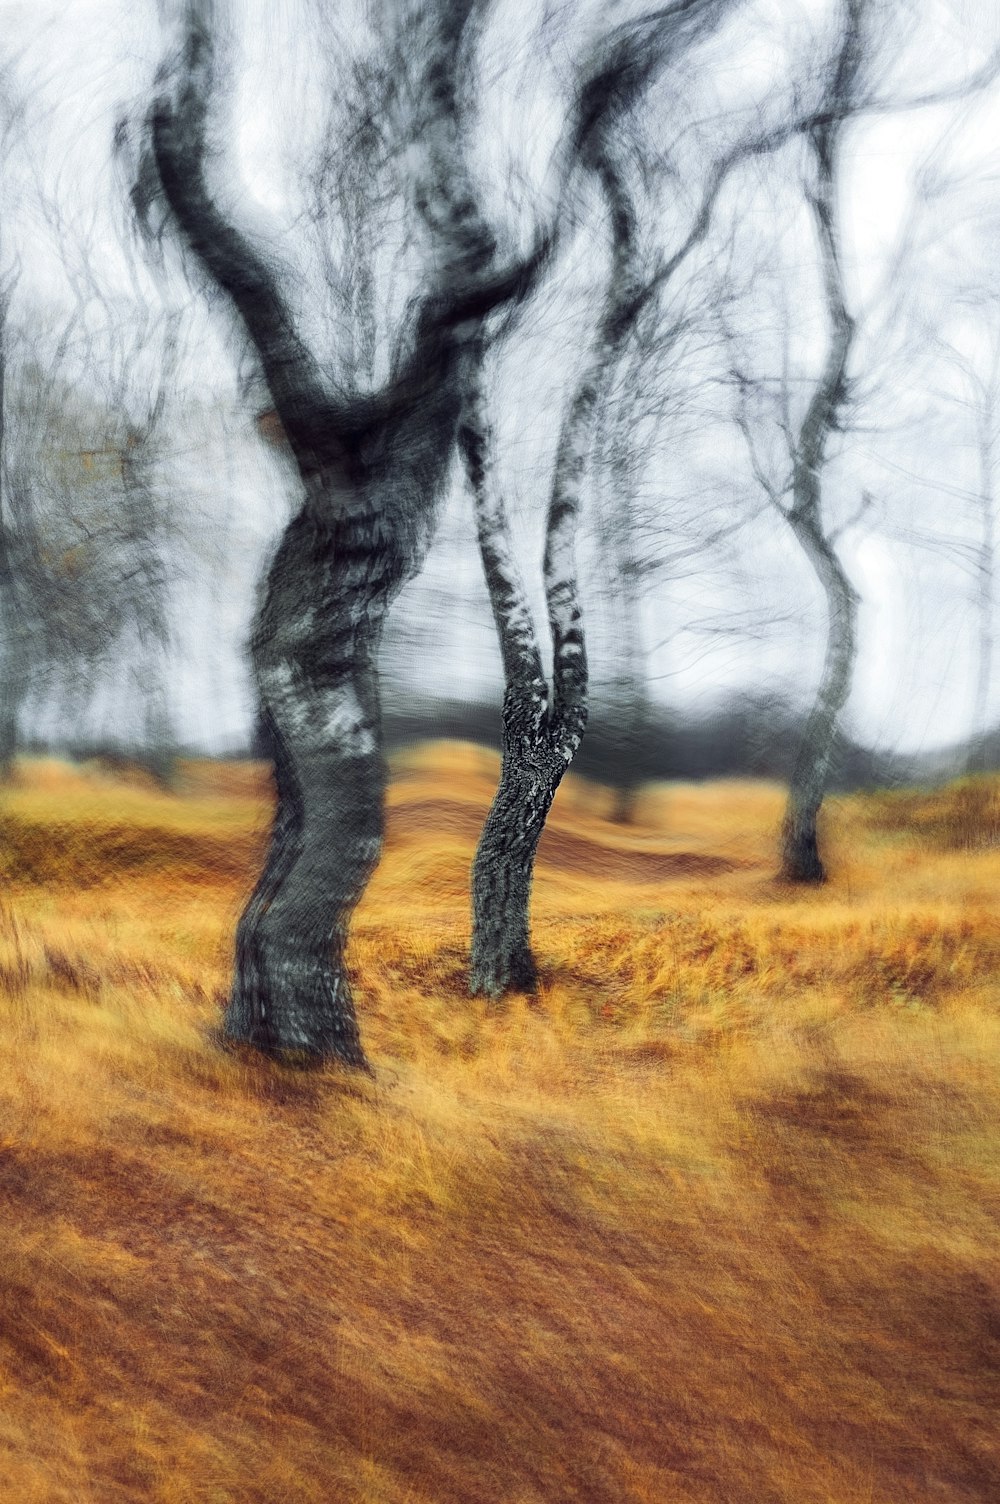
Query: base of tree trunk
(292, 1005)
(498, 968)
(502, 960)
(623, 806)
(800, 858)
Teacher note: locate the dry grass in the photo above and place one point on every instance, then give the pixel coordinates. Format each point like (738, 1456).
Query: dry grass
(714, 1220)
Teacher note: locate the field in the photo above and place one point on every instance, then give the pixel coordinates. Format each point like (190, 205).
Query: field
(714, 1218)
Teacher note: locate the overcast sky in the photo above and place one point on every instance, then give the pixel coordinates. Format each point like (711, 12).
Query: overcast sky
(717, 620)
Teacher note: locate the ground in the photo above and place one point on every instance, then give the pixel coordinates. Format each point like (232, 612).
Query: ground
(714, 1218)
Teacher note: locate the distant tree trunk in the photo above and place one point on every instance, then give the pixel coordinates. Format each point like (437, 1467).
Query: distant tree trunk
(800, 858)
(629, 707)
(12, 667)
(985, 587)
(8, 721)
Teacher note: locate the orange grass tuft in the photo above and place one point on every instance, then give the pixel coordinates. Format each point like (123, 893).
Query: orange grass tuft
(714, 1218)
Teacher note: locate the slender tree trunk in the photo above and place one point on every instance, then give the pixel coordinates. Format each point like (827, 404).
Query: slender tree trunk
(800, 858)
(502, 873)
(630, 698)
(11, 648)
(977, 818)
(540, 736)
(985, 570)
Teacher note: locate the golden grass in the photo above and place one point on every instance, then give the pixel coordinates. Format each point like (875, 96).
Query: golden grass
(714, 1219)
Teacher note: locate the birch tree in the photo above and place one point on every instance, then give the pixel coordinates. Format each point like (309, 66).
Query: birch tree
(372, 468)
(543, 722)
(798, 493)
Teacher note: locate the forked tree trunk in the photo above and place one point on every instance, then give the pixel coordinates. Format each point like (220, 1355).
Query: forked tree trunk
(541, 733)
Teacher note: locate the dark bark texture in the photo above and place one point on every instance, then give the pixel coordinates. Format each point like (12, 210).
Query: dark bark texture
(541, 731)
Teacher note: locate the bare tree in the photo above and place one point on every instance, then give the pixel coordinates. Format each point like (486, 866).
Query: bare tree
(372, 468)
(12, 658)
(542, 723)
(798, 494)
(86, 534)
(13, 661)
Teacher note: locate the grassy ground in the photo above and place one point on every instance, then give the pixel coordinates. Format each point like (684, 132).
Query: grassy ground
(715, 1219)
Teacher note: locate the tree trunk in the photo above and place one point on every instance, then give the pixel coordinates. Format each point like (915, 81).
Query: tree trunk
(977, 759)
(505, 860)
(12, 647)
(314, 655)
(539, 738)
(800, 857)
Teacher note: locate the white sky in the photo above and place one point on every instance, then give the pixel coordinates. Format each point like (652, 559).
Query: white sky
(82, 61)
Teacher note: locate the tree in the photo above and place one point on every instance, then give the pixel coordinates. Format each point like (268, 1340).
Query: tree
(12, 678)
(372, 468)
(797, 493)
(542, 723)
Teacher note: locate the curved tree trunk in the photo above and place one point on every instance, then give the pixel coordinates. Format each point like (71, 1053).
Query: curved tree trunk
(540, 738)
(502, 873)
(373, 469)
(800, 857)
(530, 770)
(313, 653)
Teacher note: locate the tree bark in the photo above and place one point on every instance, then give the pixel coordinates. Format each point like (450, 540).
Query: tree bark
(540, 734)
(291, 993)
(800, 856)
(503, 870)
(504, 864)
